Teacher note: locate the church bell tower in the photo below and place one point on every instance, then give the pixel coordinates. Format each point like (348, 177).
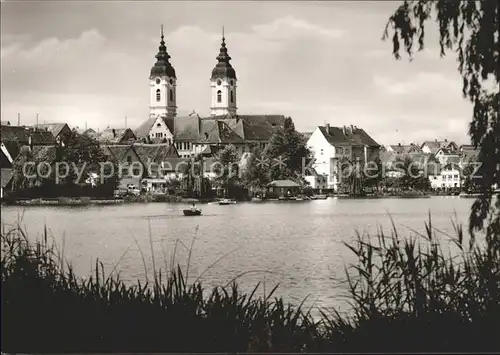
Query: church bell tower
(162, 84)
(223, 84)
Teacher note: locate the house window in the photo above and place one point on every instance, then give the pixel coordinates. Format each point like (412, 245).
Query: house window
(158, 125)
(171, 95)
(219, 96)
(158, 95)
(232, 97)
(124, 172)
(321, 151)
(136, 171)
(456, 177)
(129, 159)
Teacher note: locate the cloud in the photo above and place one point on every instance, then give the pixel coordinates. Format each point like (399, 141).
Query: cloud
(419, 83)
(69, 50)
(289, 27)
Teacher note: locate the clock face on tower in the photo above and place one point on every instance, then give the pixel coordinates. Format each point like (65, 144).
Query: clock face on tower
(219, 82)
(158, 81)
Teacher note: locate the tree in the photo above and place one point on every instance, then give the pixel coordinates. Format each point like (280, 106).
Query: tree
(287, 153)
(227, 169)
(471, 28)
(256, 171)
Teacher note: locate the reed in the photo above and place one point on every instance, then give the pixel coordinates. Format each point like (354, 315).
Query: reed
(407, 294)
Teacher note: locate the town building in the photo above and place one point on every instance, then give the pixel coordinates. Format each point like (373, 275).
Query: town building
(431, 147)
(192, 134)
(116, 136)
(60, 131)
(447, 177)
(331, 146)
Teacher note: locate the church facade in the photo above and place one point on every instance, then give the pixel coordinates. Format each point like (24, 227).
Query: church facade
(193, 134)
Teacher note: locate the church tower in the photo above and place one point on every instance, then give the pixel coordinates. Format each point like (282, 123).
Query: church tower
(162, 84)
(223, 83)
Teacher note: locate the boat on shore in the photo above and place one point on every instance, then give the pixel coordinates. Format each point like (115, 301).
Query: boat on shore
(467, 195)
(226, 201)
(319, 197)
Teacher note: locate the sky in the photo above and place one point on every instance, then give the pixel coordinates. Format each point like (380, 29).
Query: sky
(88, 63)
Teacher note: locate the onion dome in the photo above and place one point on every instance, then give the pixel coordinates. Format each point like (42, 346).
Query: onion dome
(162, 66)
(223, 68)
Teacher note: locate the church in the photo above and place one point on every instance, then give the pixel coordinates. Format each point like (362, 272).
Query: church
(193, 134)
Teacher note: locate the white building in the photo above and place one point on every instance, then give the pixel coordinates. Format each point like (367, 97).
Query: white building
(331, 145)
(162, 83)
(449, 177)
(223, 84)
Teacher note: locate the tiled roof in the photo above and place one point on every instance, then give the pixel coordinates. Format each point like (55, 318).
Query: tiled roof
(4, 123)
(112, 135)
(469, 155)
(155, 152)
(90, 132)
(435, 145)
(116, 151)
(55, 128)
(42, 138)
(406, 148)
(336, 136)
(14, 133)
(187, 128)
(143, 130)
(6, 176)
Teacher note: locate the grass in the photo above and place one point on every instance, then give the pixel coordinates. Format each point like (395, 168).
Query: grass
(407, 294)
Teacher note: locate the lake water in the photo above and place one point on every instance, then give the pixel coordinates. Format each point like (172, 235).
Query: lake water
(296, 244)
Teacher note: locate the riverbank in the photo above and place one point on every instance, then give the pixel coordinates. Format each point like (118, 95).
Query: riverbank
(44, 301)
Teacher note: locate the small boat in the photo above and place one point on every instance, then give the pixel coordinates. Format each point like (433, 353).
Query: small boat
(319, 197)
(226, 202)
(192, 212)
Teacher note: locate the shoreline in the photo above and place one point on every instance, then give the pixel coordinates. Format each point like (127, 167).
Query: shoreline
(86, 201)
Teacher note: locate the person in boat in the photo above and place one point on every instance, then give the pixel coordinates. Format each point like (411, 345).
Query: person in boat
(193, 208)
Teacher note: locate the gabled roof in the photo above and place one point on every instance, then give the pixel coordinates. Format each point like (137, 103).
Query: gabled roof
(339, 136)
(435, 145)
(155, 152)
(6, 176)
(13, 148)
(143, 130)
(55, 128)
(406, 148)
(117, 151)
(4, 123)
(14, 133)
(42, 138)
(115, 135)
(307, 135)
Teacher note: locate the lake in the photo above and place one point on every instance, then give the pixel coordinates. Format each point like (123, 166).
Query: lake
(296, 244)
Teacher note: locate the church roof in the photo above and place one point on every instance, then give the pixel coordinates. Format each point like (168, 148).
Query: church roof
(223, 69)
(162, 67)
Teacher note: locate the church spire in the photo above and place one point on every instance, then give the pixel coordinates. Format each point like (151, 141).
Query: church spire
(223, 68)
(162, 66)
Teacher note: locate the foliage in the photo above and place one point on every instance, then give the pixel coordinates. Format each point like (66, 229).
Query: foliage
(289, 147)
(402, 290)
(471, 29)
(256, 172)
(227, 170)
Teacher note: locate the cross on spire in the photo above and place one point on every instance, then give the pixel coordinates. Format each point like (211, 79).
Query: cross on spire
(162, 31)
(222, 32)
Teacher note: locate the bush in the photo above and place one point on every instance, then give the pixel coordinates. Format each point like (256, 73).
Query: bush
(406, 295)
